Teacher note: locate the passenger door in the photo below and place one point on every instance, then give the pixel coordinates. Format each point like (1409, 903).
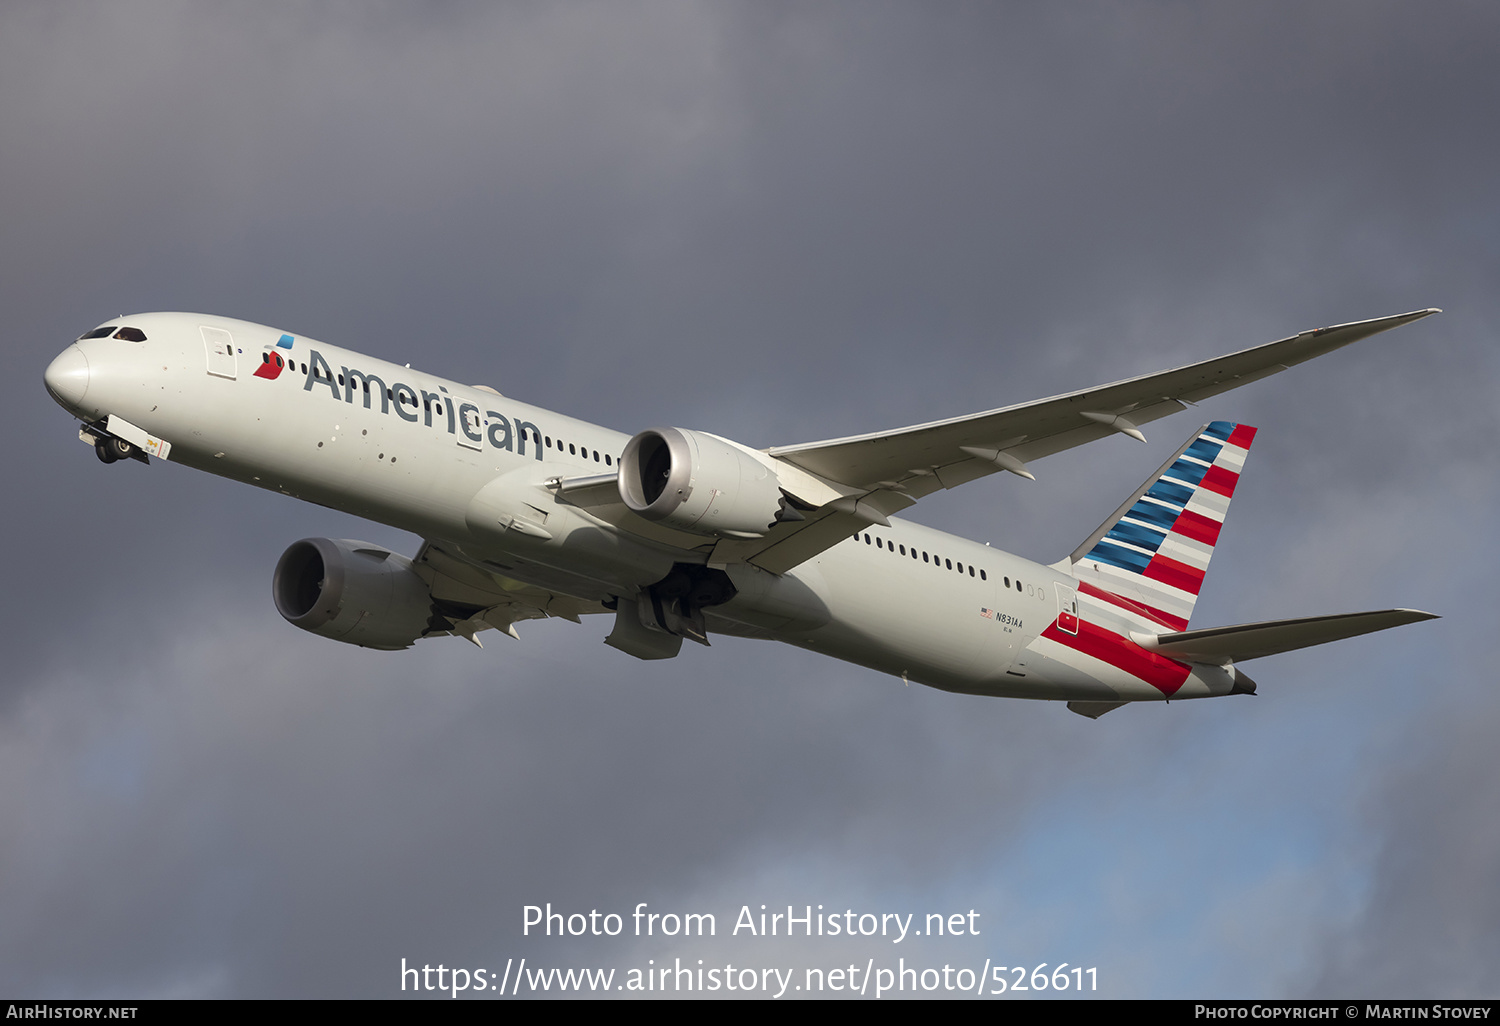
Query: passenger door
(218, 347)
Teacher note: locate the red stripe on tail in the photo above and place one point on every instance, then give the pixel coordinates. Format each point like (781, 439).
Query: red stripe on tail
(1197, 527)
(1166, 619)
(1178, 575)
(1220, 480)
(1163, 674)
(1242, 436)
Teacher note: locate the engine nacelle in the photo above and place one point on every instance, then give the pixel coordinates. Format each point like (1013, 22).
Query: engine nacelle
(697, 482)
(352, 591)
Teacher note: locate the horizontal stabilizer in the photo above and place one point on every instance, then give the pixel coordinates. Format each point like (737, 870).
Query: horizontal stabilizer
(1221, 645)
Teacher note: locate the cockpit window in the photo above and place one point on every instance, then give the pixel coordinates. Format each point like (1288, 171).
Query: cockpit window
(131, 335)
(104, 332)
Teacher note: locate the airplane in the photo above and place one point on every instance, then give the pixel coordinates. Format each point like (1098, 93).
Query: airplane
(680, 534)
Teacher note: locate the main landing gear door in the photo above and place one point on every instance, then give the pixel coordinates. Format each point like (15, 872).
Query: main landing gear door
(634, 637)
(1067, 609)
(218, 345)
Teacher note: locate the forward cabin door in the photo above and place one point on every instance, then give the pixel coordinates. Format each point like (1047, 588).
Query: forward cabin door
(469, 424)
(218, 346)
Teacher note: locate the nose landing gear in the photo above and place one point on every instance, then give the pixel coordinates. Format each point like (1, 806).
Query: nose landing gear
(109, 450)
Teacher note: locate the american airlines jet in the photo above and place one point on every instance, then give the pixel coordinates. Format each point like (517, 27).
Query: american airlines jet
(680, 534)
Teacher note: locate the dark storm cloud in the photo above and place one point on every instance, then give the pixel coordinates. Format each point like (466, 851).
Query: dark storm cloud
(780, 223)
(195, 791)
(1431, 923)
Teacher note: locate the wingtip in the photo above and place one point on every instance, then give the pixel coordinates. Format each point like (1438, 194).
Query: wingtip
(1375, 325)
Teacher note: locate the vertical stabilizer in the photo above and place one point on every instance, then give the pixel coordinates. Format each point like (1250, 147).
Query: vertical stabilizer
(1154, 550)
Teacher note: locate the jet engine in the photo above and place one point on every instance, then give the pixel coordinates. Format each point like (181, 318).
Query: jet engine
(353, 591)
(700, 483)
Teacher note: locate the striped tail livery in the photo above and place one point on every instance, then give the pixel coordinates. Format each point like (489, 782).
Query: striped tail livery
(1154, 550)
(1138, 577)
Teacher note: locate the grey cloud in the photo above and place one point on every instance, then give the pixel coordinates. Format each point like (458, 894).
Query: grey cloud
(1430, 927)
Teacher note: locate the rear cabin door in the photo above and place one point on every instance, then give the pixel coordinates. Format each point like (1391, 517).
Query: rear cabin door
(1067, 609)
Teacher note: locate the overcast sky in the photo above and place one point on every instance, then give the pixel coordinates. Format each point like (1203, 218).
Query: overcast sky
(778, 222)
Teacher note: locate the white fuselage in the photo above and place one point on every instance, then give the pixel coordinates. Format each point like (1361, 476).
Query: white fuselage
(427, 455)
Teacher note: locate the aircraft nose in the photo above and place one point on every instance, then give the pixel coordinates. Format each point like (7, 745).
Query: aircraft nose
(68, 377)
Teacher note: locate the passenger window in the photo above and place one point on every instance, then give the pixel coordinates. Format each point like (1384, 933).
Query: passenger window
(960, 568)
(948, 563)
(572, 451)
(903, 550)
(971, 569)
(983, 576)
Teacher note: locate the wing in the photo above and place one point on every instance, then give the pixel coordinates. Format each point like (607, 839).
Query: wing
(470, 597)
(879, 474)
(1046, 426)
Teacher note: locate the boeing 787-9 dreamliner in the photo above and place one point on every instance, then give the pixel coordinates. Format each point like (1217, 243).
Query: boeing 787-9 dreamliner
(681, 534)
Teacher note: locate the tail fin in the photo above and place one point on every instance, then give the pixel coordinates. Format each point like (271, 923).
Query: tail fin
(1154, 550)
